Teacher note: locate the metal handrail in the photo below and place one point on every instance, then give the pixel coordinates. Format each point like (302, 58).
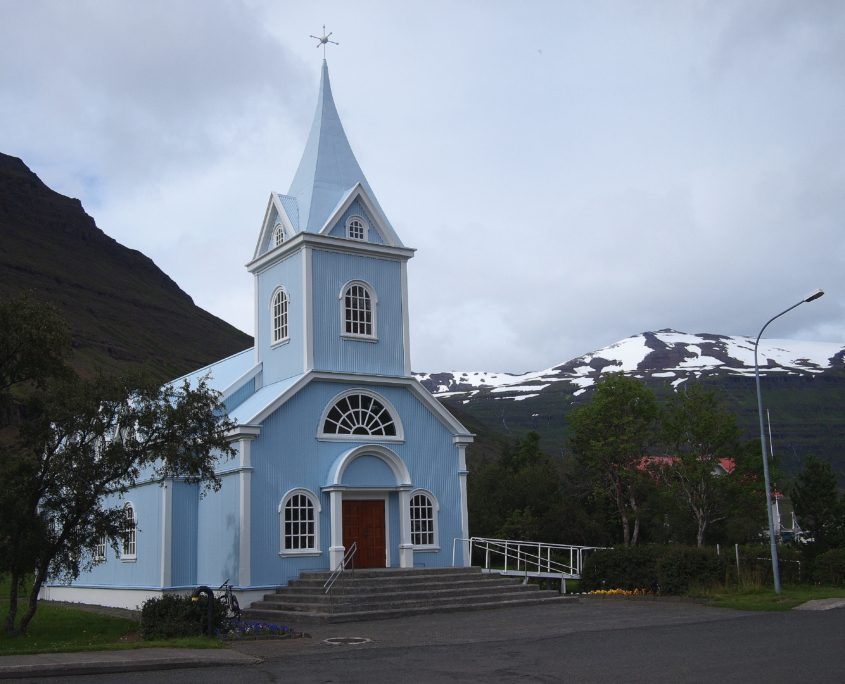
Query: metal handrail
(338, 571)
(528, 558)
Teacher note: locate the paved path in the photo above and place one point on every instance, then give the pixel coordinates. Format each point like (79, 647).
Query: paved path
(593, 640)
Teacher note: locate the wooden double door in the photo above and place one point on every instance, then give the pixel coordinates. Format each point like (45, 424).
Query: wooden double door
(363, 522)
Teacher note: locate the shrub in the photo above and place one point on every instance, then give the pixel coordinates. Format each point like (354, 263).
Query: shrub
(680, 567)
(172, 616)
(830, 567)
(632, 567)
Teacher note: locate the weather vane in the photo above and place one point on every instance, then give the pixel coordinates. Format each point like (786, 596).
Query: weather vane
(323, 40)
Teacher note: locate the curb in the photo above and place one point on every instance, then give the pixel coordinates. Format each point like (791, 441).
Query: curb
(107, 662)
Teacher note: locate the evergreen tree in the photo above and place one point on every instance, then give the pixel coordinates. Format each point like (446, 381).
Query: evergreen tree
(817, 504)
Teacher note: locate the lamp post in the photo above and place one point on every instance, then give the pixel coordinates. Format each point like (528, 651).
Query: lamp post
(772, 539)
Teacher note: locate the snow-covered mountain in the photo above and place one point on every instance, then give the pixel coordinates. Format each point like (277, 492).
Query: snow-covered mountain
(666, 354)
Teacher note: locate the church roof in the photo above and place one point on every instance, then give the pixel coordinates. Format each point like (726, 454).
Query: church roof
(328, 169)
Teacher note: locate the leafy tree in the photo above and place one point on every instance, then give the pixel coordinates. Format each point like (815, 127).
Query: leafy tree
(817, 505)
(698, 430)
(610, 435)
(72, 447)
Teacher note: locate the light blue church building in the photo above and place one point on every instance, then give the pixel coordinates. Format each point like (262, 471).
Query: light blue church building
(336, 441)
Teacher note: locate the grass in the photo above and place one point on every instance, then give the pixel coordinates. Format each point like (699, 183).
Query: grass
(58, 629)
(756, 598)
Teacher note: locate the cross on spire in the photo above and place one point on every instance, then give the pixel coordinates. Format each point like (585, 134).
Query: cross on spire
(324, 40)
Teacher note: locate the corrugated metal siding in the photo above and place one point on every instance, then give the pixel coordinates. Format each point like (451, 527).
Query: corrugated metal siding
(357, 209)
(145, 570)
(218, 534)
(288, 455)
(331, 271)
(283, 360)
(240, 395)
(183, 538)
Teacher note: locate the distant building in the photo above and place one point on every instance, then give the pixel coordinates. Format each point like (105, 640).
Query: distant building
(337, 442)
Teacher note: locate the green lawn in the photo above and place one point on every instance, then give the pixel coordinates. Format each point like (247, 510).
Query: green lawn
(766, 599)
(61, 629)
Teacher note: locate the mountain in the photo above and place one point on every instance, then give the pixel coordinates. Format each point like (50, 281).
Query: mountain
(803, 385)
(122, 310)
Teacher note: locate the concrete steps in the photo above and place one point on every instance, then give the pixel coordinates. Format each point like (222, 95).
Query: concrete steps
(386, 593)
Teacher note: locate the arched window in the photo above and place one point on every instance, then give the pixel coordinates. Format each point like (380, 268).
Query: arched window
(423, 519)
(300, 522)
(358, 310)
(100, 549)
(359, 413)
(279, 316)
(356, 228)
(278, 235)
(128, 545)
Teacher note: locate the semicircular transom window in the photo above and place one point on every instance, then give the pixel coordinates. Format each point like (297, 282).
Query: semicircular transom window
(359, 414)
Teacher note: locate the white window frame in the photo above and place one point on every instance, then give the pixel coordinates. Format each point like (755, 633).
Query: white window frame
(100, 549)
(129, 542)
(313, 550)
(281, 334)
(278, 236)
(350, 437)
(364, 228)
(373, 299)
(435, 510)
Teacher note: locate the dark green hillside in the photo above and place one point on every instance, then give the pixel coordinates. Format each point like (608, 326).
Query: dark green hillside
(123, 311)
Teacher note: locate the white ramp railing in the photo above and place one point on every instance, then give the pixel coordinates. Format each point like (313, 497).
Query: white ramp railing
(526, 558)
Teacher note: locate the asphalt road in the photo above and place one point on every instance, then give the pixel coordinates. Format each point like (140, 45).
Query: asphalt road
(594, 640)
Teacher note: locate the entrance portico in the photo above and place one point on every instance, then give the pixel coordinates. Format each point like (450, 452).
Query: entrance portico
(359, 484)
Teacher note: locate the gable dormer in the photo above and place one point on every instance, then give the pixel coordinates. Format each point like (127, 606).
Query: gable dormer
(281, 223)
(358, 217)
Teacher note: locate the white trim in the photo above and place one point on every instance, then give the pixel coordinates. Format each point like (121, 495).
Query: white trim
(373, 299)
(307, 310)
(365, 228)
(315, 507)
(400, 471)
(166, 529)
(125, 556)
(391, 409)
(462, 482)
(241, 381)
(406, 323)
(381, 225)
(435, 511)
(411, 383)
(281, 289)
(265, 235)
(245, 487)
(330, 244)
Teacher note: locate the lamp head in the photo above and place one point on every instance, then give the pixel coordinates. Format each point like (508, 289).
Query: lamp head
(813, 295)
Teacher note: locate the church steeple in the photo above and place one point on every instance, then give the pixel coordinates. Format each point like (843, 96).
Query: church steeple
(328, 169)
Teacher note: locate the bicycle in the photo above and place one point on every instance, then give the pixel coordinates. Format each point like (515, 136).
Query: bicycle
(230, 602)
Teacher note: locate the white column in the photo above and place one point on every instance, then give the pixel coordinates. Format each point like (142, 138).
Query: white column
(245, 497)
(166, 532)
(406, 548)
(336, 550)
(462, 475)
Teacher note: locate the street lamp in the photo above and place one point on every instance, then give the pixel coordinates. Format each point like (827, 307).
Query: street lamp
(772, 539)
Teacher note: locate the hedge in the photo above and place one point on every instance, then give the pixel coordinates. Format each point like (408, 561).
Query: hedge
(661, 569)
(830, 567)
(173, 615)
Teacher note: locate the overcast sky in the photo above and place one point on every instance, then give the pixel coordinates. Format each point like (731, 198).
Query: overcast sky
(571, 173)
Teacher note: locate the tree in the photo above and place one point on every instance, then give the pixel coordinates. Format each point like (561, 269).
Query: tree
(610, 435)
(697, 431)
(817, 505)
(71, 448)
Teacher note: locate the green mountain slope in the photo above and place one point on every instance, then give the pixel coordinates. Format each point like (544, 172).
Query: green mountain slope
(123, 311)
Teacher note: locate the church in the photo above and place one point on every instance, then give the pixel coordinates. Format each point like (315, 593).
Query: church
(339, 448)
